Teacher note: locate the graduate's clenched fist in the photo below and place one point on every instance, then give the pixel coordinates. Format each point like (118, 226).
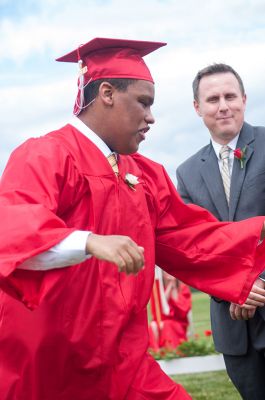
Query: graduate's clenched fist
(117, 249)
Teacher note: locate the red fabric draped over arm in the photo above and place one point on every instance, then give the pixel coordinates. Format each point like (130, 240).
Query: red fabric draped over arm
(30, 191)
(220, 258)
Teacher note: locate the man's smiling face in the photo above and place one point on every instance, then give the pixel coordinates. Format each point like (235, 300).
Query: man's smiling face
(221, 104)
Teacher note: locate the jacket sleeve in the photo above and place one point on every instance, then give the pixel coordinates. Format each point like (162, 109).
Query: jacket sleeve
(182, 189)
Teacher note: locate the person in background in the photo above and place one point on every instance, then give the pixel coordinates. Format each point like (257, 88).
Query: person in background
(176, 326)
(171, 312)
(84, 220)
(228, 178)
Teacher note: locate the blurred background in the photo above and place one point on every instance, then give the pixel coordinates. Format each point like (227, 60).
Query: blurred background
(37, 93)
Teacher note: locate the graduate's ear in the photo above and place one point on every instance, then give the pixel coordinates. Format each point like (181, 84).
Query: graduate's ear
(105, 92)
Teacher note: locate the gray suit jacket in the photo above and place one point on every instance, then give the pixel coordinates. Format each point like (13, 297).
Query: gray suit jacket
(200, 182)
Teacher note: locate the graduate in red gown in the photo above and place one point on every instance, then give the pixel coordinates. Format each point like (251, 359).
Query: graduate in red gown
(79, 239)
(170, 308)
(176, 323)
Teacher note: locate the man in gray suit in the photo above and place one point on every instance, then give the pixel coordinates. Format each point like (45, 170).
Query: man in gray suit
(232, 187)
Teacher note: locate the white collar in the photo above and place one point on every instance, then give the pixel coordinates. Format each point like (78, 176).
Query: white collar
(101, 145)
(217, 146)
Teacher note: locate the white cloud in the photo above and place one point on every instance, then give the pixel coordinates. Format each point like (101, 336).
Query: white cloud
(37, 94)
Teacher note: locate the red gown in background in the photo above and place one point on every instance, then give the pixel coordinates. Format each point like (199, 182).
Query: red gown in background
(169, 312)
(87, 336)
(175, 325)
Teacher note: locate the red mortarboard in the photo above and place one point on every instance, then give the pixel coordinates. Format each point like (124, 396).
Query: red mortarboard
(110, 58)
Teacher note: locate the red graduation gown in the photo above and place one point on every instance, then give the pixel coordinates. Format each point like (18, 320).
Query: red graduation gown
(172, 327)
(87, 336)
(175, 325)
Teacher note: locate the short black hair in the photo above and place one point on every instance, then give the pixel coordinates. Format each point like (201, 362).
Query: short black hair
(211, 70)
(91, 90)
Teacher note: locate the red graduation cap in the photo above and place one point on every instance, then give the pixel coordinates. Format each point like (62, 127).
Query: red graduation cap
(110, 58)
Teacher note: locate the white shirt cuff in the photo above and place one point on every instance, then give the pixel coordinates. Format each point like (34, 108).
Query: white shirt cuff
(70, 251)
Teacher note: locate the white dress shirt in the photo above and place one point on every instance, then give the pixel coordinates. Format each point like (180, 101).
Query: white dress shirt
(232, 146)
(72, 249)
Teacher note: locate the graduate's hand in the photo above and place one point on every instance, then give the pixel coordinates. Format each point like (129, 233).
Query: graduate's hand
(241, 313)
(120, 250)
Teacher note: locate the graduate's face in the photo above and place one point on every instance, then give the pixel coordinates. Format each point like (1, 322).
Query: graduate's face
(130, 117)
(221, 105)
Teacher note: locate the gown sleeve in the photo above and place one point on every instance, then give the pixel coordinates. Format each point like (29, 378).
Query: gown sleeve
(222, 259)
(32, 188)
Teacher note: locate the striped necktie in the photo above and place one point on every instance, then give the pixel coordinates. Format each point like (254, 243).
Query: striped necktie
(225, 173)
(113, 162)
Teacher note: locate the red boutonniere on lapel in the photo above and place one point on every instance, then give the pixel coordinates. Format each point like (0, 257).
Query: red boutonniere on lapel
(240, 154)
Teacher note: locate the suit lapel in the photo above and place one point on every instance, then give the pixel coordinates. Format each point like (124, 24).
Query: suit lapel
(246, 138)
(211, 175)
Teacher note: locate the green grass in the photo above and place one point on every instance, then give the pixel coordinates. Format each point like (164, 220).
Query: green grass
(208, 386)
(200, 312)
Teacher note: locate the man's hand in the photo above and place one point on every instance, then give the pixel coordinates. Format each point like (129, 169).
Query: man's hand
(241, 313)
(120, 250)
(255, 299)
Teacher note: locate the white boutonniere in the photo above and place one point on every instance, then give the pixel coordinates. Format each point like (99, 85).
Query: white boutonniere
(131, 180)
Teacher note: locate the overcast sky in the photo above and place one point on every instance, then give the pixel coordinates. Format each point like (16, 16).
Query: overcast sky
(37, 93)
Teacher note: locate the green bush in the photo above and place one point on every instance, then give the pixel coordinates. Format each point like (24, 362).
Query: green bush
(195, 346)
